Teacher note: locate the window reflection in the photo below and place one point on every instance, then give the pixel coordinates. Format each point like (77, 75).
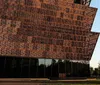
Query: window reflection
(41, 68)
(61, 66)
(55, 70)
(68, 68)
(49, 68)
(48, 64)
(41, 62)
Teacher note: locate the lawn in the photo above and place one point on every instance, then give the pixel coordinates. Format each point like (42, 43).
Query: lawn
(68, 84)
(73, 84)
(88, 82)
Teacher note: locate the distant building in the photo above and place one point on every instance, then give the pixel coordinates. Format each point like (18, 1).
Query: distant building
(46, 38)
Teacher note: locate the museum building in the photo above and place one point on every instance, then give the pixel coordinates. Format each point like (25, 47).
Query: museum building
(46, 38)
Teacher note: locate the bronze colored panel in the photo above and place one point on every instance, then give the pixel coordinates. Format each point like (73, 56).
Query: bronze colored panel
(47, 29)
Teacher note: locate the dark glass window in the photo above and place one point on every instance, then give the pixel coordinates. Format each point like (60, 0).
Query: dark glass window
(68, 68)
(17, 64)
(33, 69)
(61, 66)
(2, 66)
(14, 67)
(8, 67)
(25, 68)
(55, 66)
(77, 1)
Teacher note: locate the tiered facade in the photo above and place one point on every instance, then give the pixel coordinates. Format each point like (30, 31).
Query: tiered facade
(40, 35)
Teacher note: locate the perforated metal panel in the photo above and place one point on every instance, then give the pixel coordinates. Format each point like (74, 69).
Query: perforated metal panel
(46, 29)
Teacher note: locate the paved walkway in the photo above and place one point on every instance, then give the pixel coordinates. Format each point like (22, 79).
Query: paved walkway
(42, 81)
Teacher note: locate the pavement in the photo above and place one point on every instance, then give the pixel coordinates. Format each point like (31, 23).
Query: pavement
(42, 81)
(36, 80)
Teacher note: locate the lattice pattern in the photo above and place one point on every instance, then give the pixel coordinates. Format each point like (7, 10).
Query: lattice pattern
(46, 29)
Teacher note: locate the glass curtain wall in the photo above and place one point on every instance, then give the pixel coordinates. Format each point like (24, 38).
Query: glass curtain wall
(15, 67)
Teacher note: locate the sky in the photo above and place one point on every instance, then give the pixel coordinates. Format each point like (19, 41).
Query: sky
(95, 60)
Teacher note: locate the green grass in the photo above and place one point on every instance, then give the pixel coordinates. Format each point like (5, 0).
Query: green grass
(88, 82)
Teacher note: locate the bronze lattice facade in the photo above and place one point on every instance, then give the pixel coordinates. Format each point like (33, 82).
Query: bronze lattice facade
(55, 30)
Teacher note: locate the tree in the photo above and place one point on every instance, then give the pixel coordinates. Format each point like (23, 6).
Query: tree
(99, 69)
(53, 61)
(91, 71)
(96, 72)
